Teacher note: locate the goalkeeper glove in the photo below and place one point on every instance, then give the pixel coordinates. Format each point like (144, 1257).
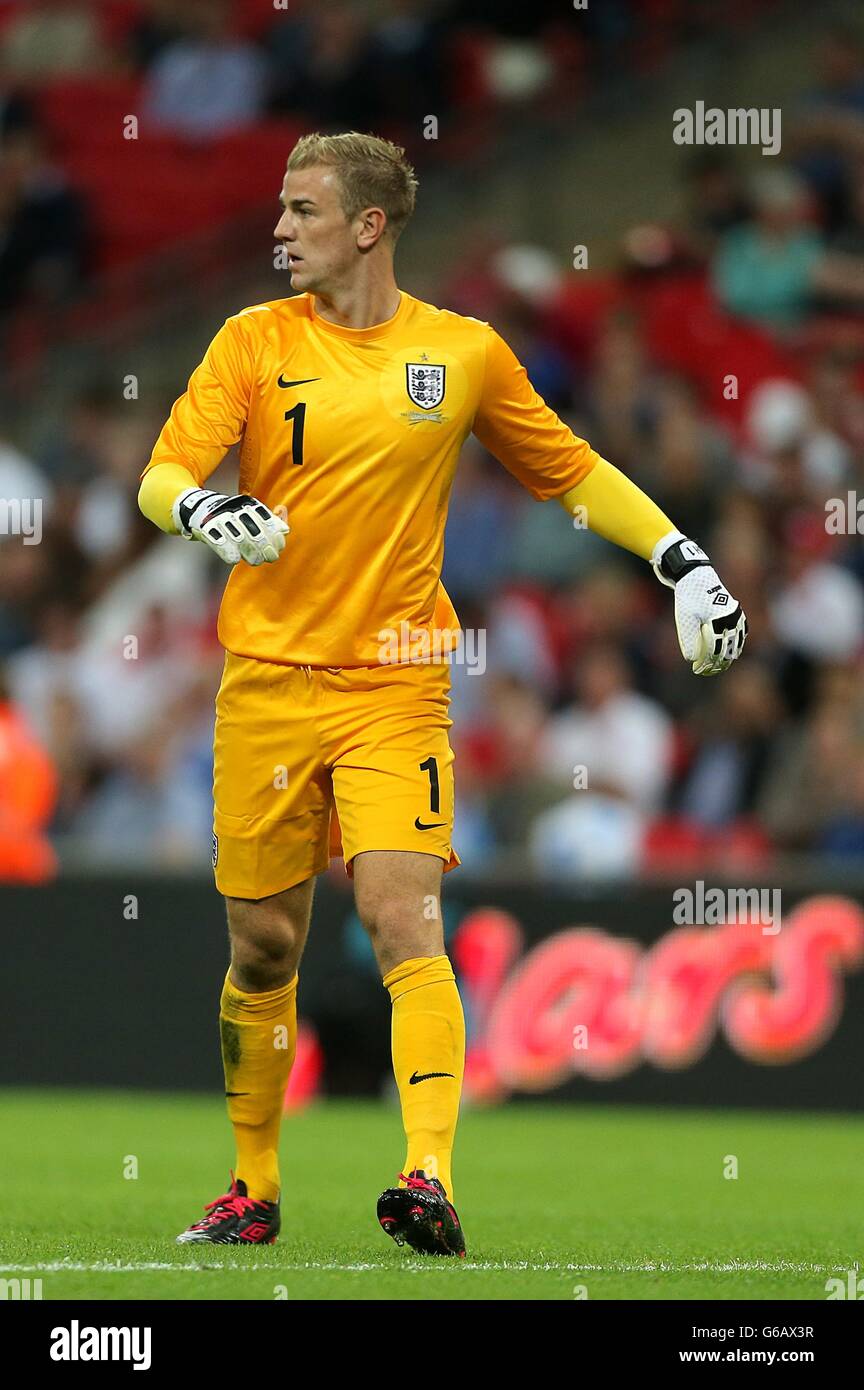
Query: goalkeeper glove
(236, 528)
(711, 626)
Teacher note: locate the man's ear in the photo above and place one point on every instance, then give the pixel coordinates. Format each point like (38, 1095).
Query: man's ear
(372, 224)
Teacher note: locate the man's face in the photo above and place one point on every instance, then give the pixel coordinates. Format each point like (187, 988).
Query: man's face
(321, 243)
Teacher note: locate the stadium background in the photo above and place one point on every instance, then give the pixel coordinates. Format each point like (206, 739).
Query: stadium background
(123, 247)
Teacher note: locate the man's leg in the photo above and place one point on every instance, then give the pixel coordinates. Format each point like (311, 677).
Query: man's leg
(258, 1024)
(398, 901)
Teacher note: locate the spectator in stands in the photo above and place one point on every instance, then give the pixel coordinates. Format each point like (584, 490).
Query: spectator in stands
(287, 46)
(334, 63)
(515, 21)
(46, 679)
(843, 834)
(548, 547)
(622, 393)
(690, 459)
(611, 754)
(848, 239)
(717, 196)
(23, 581)
(497, 748)
(605, 605)
(771, 269)
(837, 401)
(28, 790)
(622, 739)
(20, 478)
(25, 503)
(830, 125)
(764, 269)
(407, 52)
(156, 798)
(207, 83)
(154, 30)
(812, 776)
(328, 77)
(73, 452)
(840, 57)
(520, 640)
(479, 523)
(793, 459)
(744, 537)
(113, 435)
(53, 38)
(818, 610)
(32, 576)
(530, 279)
(16, 113)
(734, 734)
(43, 233)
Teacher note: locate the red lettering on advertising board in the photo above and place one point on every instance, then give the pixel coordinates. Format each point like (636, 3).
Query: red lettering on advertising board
(588, 1003)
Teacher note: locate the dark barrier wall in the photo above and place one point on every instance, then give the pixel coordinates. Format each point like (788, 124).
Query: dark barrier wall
(600, 996)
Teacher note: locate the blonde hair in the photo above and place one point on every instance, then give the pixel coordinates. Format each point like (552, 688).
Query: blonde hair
(372, 173)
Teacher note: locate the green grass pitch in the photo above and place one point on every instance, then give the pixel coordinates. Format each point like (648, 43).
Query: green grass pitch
(557, 1201)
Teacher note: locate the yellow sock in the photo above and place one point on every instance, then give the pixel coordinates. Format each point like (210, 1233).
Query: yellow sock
(428, 1037)
(259, 1039)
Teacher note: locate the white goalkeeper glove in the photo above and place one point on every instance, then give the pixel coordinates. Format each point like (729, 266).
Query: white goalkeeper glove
(711, 626)
(236, 528)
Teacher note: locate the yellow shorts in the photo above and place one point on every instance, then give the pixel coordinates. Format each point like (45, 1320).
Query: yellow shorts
(311, 763)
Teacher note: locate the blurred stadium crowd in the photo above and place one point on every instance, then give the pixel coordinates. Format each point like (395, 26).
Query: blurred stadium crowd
(721, 365)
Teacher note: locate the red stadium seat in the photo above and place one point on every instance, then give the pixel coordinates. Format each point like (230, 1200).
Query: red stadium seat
(675, 845)
(81, 113)
(148, 193)
(687, 331)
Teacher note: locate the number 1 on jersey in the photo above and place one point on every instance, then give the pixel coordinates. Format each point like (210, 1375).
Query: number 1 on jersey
(298, 415)
(431, 766)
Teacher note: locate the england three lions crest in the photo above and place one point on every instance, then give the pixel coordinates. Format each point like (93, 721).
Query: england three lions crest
(425, 383)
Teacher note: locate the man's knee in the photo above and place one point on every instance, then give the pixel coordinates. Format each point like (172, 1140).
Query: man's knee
(384, 912)
(384, 908)
(267, 938)
(401, 911)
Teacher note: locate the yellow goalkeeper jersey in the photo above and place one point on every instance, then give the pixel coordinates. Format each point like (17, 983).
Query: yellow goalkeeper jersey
(354, 435)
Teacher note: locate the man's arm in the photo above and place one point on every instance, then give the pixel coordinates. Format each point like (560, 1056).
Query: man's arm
(204, 423)
(517, 426)
(160, 487)
(711, 625)
(610, 504)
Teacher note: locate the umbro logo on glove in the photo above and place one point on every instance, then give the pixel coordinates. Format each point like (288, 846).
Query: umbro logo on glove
(711, 626)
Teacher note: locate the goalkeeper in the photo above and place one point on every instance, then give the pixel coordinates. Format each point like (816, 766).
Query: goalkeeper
(352, 399)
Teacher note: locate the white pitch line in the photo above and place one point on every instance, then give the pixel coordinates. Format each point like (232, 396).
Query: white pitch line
(504, 1266)
(707, 1267)
(145, 1266)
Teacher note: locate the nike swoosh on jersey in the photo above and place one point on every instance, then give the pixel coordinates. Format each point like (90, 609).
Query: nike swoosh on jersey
(433, 825)
(303, 382)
